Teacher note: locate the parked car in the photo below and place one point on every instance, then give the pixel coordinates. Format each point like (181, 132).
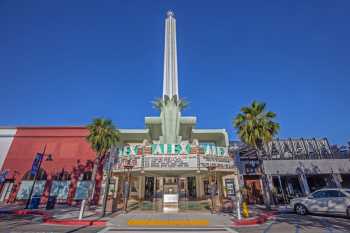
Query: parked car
(328, 200)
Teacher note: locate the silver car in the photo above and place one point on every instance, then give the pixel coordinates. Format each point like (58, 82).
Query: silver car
(329, 200)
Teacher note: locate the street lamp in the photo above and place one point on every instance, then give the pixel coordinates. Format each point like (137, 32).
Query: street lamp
(60, 179)
(37, 162)
(211, 169)
(235, 151)
(128, 167)
(108, 181)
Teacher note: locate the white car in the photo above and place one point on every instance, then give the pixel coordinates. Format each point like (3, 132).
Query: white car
(328, 200)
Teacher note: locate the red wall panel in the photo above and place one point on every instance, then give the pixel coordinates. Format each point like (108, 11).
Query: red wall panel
(67, 145)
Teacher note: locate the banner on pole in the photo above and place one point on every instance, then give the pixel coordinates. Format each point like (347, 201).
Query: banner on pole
(36, 163)
(3, 175)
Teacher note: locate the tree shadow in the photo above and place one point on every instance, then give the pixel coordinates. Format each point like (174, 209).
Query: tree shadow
(315, 221)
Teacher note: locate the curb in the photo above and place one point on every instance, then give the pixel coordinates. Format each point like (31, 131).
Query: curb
(47, 219)
(74, 222)
(260, 219)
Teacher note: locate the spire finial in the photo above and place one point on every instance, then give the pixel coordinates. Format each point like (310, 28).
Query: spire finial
(170, 13)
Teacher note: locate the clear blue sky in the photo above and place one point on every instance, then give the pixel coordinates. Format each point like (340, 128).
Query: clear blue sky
(65, 62)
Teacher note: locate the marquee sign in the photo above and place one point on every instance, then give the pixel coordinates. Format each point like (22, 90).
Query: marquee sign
(171, 149)
(175, 162)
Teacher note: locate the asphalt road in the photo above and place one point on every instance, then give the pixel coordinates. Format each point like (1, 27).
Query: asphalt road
(284, 223)
(292, 223)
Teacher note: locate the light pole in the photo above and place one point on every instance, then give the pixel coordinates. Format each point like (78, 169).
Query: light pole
(60, 179)
(212, 184)
(235, 153)
(128, 167)
(108, 180)
(40, 157)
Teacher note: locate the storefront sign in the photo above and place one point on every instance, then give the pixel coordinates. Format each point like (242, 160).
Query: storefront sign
(298, 148)
(214, 150)
(218, 162)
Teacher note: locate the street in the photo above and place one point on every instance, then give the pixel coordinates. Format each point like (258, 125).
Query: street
(288, 223)
(301, 224)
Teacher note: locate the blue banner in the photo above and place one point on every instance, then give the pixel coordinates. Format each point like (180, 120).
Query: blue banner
(36, 164)
(3, 175)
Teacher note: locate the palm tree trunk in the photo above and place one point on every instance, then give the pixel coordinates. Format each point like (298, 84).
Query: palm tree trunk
(266, 187)
(93, 181)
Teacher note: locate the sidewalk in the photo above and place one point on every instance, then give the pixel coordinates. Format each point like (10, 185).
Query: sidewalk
(67, 215)
(61, 214)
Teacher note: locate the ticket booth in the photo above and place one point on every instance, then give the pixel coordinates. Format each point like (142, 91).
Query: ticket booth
(170, 198)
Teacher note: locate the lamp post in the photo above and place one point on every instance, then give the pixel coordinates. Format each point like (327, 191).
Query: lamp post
(128, 167)
(60, 179)
(238, 194)
(40, 157)
(108, 180)
(211, 169)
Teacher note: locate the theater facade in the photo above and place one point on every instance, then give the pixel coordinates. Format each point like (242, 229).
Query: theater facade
(169, 164)
(169, 160)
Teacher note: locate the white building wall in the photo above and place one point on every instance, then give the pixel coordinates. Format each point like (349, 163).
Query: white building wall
(6, 138)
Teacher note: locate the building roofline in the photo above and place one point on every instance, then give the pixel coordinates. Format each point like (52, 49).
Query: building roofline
(52, 127)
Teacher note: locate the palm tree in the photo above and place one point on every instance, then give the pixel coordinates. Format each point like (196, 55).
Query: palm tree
(255, 127)
(103, 135)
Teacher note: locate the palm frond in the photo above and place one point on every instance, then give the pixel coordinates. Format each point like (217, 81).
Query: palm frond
(103, 135)
(254, 125)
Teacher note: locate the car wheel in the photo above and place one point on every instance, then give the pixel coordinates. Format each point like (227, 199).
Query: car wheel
(300, 209)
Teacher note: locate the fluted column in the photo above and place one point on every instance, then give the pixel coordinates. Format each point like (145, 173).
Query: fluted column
(170, 80)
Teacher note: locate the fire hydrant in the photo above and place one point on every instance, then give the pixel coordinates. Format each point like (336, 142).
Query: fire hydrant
(245, 210)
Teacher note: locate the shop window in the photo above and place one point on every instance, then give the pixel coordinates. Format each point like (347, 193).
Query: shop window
(27, 183)
(60, 185)
(83, 186)
(6, 190)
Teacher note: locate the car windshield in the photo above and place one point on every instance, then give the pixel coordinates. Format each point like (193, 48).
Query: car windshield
(347, 191)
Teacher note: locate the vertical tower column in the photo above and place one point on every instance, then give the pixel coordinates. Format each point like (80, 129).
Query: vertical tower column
(170, 80)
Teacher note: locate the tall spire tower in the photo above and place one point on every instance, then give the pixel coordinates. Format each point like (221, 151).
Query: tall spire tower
(170, 81)
(170, 126)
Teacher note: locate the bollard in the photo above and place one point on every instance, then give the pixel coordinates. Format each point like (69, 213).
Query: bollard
(81, 213)
(238, 209)
(245, 210)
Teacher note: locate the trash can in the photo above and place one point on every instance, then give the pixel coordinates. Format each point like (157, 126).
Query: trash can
(51, 201)
(34, 203)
